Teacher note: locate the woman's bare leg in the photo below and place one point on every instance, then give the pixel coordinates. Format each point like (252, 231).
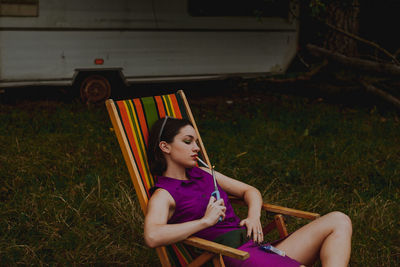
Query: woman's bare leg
(328, 237)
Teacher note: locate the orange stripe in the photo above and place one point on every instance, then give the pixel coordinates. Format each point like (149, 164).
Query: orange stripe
(127, 122)
(167, 104)
(160, 106)
(175, 105)
(142, 119)
(142, 159)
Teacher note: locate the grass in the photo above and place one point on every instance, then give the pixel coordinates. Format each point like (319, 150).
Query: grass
(67, 199)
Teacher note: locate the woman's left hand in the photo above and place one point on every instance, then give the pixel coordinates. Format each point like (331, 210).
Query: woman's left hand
(254, 229)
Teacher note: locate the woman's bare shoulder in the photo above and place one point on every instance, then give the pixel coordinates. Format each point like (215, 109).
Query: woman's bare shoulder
(161, 206)
(163, 196)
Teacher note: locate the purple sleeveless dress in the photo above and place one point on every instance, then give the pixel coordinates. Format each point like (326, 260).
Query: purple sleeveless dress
(191, 199)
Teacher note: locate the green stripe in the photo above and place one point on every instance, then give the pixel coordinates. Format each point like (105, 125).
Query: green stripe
(137, 131)
(124, 127)
(142, 149)
(150, 111)
(181, 106)
(172, 256)
(167, 104)
(184, 252)
(151, 115)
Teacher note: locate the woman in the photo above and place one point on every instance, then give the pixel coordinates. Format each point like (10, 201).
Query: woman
(181, 206)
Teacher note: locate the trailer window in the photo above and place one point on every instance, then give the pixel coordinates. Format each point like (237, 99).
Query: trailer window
(242, 8)
(19, 8)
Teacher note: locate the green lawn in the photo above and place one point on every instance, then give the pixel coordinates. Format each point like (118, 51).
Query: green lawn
(67, 199)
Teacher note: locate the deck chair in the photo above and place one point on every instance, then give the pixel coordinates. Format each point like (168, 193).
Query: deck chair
(131, 120)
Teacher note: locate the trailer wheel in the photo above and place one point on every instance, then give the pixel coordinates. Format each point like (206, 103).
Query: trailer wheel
(95, 89)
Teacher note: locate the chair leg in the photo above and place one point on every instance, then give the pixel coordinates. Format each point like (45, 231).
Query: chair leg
(218, 261)
(269, 227)
(280, 224)
(163, 256)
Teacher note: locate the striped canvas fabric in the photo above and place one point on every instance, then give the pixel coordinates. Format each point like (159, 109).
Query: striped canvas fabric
(137, 116)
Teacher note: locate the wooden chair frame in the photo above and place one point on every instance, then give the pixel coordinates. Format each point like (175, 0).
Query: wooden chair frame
(212, 251)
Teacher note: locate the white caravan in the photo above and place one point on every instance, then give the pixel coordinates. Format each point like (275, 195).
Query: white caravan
(62, 42)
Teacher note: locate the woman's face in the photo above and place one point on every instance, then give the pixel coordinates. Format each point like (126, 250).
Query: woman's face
(184, 149)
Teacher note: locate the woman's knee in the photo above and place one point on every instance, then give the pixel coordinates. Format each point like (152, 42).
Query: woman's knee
(340, 221)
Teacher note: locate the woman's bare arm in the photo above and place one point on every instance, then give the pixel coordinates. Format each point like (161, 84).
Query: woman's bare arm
(156, 230)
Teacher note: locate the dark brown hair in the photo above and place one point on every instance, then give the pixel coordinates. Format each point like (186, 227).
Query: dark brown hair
(155, 156)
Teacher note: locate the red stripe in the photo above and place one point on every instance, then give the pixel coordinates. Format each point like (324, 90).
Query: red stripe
(129, 132)
(142, 119)
(174, 103)
(179, 255)
(160, 106)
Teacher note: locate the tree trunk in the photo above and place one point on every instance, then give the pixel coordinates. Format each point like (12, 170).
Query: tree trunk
(360, 64)
(344, 17)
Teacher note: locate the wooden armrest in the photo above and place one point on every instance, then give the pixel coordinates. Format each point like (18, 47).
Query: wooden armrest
(216, 248)
(291, 212)
(281, 210)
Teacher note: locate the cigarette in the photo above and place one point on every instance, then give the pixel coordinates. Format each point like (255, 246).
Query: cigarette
(202, 162)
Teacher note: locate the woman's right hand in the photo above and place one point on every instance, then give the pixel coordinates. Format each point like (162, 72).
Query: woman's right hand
(215, 209)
